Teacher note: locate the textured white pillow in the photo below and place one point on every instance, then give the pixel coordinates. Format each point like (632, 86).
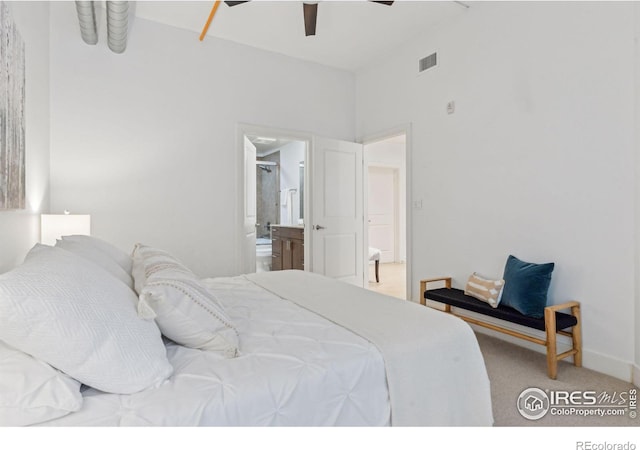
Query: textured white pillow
(122, 258)
(183, 308)
(97, 256)
(82, 321)
(31, 391)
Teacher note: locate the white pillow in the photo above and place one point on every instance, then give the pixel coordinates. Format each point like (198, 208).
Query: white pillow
(122, 258)
(149, 260)
(145, 251)
(82, 321)
(188, 314)
(97, 256)
(31, 391)
(183, 308)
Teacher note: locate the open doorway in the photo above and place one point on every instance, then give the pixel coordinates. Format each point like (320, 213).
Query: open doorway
(386, 215)
(279, 201)
(328, 235)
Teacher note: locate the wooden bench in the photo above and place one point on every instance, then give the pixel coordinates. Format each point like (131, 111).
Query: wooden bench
(553, 323)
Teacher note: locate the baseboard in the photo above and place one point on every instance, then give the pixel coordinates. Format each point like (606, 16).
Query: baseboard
(604, 364)
(636, 375)
(607, 365)
(598, 362)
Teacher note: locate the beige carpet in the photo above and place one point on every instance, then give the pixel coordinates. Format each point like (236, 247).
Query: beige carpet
(513, 369)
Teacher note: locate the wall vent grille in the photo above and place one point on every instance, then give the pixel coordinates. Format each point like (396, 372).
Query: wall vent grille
(427, 62)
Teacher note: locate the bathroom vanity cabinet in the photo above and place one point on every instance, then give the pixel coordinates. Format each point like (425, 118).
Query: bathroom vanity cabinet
(287, 247)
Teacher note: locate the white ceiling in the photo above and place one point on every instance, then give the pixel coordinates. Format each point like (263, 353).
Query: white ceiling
(349, 34)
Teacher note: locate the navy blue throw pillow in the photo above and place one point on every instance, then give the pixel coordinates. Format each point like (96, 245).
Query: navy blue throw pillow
(526, 286)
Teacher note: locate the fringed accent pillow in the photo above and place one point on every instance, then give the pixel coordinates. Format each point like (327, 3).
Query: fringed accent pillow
(486, 290)
(184, 309)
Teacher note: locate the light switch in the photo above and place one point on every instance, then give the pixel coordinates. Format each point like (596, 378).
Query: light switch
(451, 107)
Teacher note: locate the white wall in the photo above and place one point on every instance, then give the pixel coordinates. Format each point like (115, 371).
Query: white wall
(538, 159)
(636, 368)
(290, 156)
(20, 230)
(392, 153)
(145, 141)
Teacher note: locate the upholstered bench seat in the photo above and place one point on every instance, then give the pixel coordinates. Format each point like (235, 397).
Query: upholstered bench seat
(457, 298)
(553, 322)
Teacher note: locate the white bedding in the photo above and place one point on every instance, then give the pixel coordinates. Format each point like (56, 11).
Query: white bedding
(295, 368)
(435, 371)
(313, 351)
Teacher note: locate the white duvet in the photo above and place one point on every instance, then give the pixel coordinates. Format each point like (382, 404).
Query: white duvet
(435, 371)
(313, 351)
(295, 368)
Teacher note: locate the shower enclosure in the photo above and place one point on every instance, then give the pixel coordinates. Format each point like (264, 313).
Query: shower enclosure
(268, 201)
(267, 207)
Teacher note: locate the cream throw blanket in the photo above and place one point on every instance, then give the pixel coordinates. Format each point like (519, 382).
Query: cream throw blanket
(435, 372)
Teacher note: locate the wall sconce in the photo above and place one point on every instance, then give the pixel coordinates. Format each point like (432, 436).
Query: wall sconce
(54, 226)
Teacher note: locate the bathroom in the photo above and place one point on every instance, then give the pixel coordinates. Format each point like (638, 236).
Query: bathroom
(280, 192)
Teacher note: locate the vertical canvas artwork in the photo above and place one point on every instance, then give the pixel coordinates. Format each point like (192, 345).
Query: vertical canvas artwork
(12, 126)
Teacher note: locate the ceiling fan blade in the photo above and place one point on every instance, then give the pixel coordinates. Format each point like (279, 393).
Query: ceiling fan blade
(383, 3)
(236, 3)
(310, 17)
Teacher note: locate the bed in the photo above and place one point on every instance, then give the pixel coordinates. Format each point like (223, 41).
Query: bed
(302, 350)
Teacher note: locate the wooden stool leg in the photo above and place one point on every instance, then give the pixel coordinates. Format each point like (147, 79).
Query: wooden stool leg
(377, 271)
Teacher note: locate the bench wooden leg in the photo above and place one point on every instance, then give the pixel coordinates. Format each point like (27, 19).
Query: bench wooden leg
(552, 358)
(377, 271)
(423, 288)
(576, 337)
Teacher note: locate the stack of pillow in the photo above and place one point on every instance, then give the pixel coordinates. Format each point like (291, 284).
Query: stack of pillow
(523, 287)
(70, 315)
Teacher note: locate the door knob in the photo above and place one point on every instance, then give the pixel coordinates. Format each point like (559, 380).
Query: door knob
(319, 227)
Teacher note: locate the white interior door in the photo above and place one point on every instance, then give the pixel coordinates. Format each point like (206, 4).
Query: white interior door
(382, 208)
(337, 213)
(250, 194)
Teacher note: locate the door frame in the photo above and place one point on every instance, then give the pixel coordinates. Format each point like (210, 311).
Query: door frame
(381, 136)
(243, 129)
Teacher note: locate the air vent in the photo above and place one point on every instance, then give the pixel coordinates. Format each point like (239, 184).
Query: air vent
(428, 62)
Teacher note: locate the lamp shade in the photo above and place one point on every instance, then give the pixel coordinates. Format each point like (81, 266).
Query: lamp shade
(54, 226)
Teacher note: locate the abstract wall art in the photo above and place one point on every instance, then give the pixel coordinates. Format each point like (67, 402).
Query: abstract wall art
(12, 123)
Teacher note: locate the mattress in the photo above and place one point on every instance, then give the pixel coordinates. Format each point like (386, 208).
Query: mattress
(295, 368)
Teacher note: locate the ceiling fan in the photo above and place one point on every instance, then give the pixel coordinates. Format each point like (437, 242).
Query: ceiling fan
(309, 10)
